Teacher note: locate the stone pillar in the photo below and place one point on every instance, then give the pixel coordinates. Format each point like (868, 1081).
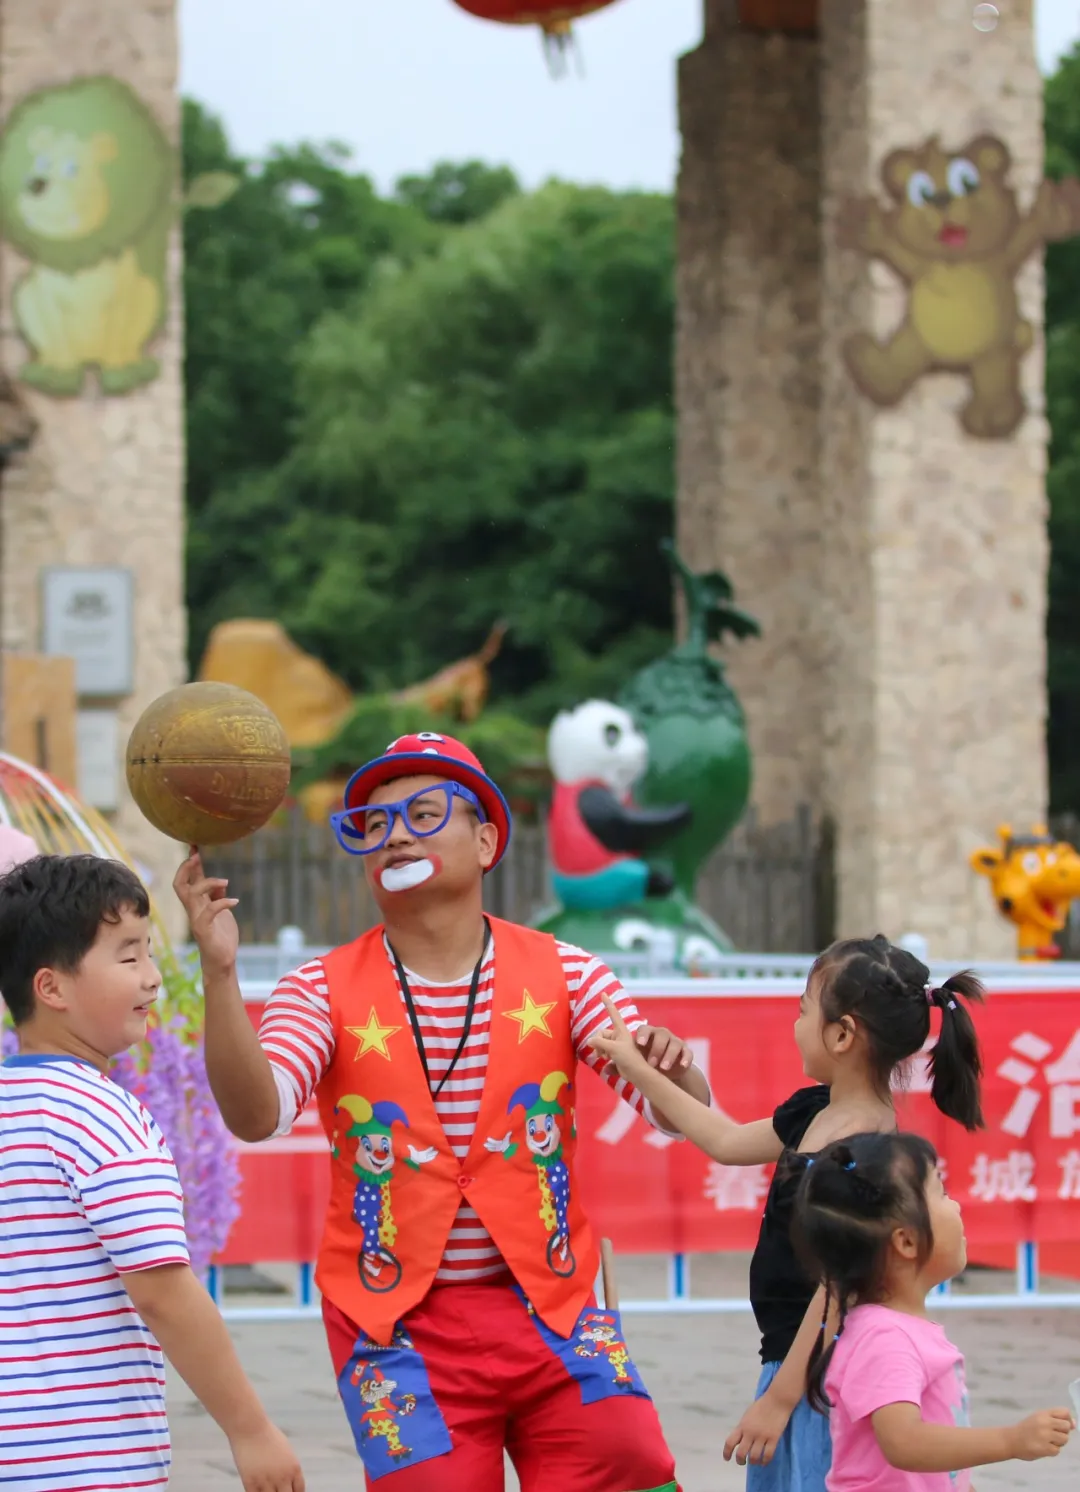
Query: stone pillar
(103, 481)
(934, 545)
(747, 374)
(897, 564)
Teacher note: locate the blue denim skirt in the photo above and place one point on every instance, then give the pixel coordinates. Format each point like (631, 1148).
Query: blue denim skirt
(801, 1461)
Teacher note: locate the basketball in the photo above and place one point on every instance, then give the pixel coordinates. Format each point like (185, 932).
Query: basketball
(208, 763)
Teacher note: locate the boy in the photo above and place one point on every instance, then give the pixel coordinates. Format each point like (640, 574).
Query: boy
(92, 1246)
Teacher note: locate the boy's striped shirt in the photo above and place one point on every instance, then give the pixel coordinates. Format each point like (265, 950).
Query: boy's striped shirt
(88, 1191)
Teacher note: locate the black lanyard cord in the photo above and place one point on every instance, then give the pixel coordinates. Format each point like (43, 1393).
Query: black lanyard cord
(469, 1011)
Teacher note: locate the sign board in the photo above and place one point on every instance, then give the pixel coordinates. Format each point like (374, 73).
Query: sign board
(88, 616)
(98, 746)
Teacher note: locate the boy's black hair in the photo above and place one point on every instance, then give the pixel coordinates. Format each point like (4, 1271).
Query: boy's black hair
(852, 1198)
(51, 910)
(888, 991)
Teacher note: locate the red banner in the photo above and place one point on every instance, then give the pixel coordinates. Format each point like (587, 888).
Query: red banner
(1018, 1180)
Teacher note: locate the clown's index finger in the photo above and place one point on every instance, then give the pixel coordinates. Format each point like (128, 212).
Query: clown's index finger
(618, 1024)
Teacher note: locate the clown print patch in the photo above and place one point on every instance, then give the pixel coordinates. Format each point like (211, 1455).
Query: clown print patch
(596, 1355)
(390, 1407)
(545, 1119)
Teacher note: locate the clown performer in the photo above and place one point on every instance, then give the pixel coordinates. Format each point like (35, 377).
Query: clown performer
(459, 1022)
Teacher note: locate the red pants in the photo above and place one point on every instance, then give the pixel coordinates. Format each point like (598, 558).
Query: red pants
(495, 1384)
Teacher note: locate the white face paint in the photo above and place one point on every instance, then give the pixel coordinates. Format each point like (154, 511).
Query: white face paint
(405, 877)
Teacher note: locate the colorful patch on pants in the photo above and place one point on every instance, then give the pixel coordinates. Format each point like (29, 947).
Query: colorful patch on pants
(390, 1407)
(596, 1355)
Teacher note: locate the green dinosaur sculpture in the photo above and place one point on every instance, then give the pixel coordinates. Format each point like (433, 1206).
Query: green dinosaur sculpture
(698, 757)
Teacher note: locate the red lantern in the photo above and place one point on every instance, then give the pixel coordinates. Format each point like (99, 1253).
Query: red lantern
(554, 17)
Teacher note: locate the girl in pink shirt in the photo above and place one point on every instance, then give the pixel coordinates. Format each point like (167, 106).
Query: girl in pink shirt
(877, 1225)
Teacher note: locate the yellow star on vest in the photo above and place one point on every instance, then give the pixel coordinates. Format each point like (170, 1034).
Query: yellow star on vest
(531, 1017)
(372, 1037)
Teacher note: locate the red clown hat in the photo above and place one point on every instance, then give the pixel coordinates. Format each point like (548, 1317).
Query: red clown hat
(429, 754)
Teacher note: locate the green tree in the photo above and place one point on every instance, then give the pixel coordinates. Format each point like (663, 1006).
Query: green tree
(299, 238)
(458, 193)
(489, 432)
(1063, 410)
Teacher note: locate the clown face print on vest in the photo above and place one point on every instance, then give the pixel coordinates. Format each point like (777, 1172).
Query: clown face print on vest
(372, 1127)
(544, 1119)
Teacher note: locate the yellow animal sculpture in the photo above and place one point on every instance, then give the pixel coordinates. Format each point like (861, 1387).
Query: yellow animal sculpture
(460, 689)
(312, 703)
(1033, 877)
(261, 657)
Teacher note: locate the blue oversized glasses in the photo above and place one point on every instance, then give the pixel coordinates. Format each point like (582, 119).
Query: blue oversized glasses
(362, 831)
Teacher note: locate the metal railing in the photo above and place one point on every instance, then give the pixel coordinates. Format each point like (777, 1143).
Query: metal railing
(680, 1301)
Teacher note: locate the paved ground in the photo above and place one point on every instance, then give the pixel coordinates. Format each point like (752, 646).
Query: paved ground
(700, 1369)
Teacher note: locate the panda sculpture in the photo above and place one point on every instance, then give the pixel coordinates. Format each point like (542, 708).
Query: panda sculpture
(598, 838)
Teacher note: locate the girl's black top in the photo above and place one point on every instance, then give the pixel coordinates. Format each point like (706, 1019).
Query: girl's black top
(780, 1290)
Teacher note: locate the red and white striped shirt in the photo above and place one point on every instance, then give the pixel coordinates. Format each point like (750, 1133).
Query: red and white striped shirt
(297, 1034)
(88, 1191)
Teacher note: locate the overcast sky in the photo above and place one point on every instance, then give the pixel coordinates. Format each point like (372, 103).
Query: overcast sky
(408, 82)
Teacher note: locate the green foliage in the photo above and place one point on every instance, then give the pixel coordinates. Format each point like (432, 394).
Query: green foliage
(1063, 410)
(488, 432)
(458, 194)
(408, 418)
(296, 238)
(512, 752)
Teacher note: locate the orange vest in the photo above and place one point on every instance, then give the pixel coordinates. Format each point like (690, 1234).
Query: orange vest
(396, 1184)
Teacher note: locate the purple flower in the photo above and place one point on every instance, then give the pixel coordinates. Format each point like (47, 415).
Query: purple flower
(8, 1043)
(168, 1075)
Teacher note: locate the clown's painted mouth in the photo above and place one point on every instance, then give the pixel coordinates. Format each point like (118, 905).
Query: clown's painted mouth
(405, 874)
(953, 236)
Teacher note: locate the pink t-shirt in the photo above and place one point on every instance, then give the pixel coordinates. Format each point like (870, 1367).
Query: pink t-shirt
(886, 1357)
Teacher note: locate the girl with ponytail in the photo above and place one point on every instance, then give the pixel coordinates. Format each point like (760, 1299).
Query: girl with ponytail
(874, 1222)
(865, 1011)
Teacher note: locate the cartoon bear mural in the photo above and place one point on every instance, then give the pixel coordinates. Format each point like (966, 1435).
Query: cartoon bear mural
(955, 236)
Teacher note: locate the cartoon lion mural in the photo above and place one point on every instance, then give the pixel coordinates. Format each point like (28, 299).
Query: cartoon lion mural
(87, 182)
(956, 237)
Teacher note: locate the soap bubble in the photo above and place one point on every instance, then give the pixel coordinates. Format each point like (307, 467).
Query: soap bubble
(985, 17)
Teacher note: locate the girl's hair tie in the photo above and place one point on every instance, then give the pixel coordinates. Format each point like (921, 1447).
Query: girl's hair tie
(849, 1165)
(934, 997)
